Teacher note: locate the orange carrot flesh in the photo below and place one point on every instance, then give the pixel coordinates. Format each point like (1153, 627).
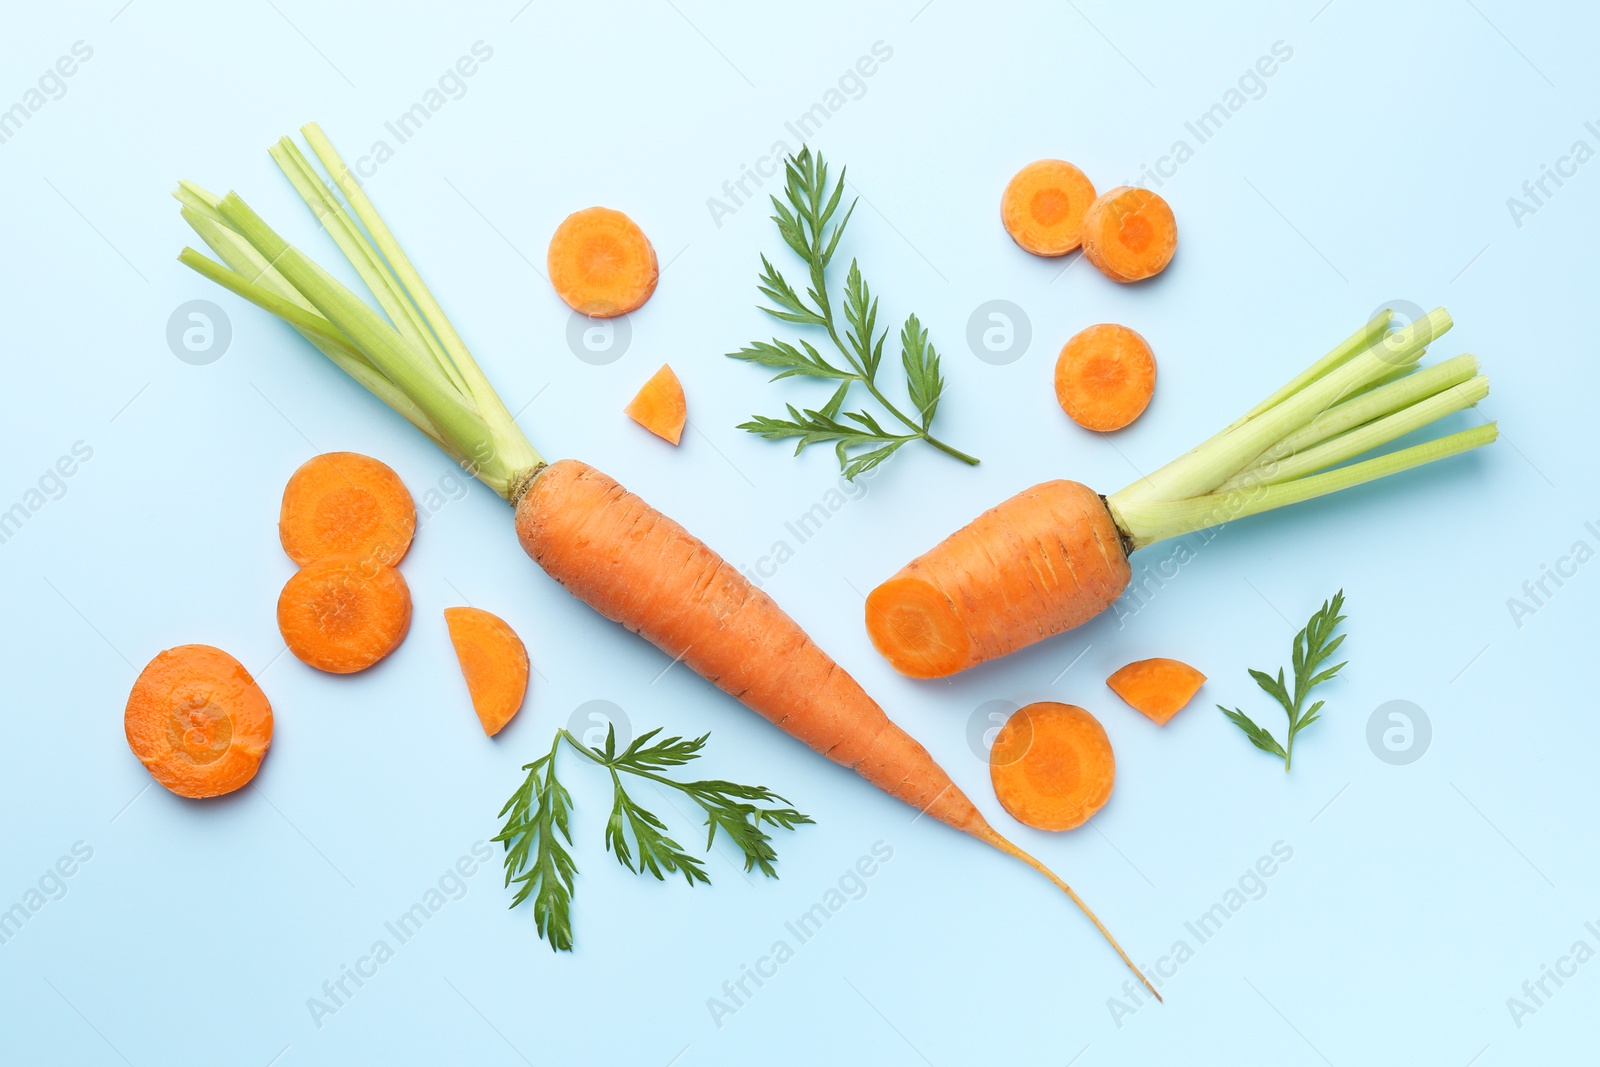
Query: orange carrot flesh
(346, 504)
(1052, 766)
(494, 662)
(1044, 561)
(659, 406)
(1043, 207)
(198, 722)
(1105, 377)
(1159, 687)
(641, 569)
(601, 263)
(344, 615)
(1129, 234)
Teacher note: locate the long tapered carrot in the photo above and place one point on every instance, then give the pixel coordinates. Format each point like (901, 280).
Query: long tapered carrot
(639, 568)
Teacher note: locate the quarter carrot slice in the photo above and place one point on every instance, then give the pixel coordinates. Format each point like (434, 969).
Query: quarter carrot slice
(1129, 234)
(346, 504)
(493, 660)
(1160, 688)
(344, 615)
(601, 263)
(1043, 207)
(659, 406)
(1105, 377)
(197, 721)
(1052, 766)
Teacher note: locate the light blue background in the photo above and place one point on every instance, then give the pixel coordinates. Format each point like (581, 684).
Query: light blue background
(1375, 167)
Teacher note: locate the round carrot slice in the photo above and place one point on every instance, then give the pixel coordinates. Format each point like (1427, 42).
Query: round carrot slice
(1052, 766)
(1105, 377)
(493, 660)
(344, 615)
(346, 504)
(601, 263)
(197, 721)
(1043, 207)
(1129, 234)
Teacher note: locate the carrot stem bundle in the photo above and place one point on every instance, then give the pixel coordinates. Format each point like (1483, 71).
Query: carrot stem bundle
(619, 555)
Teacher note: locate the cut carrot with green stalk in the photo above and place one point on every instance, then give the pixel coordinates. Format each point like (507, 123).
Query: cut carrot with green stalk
(1158, 688)
(606, 545)
(1129, 234)
(1052, 766)
(344, 615)
(494, 662)
(198, 722)
(346, 504)
(659, 406)
(601, 263)
(1056, 555)
(1043, 207)
(1105, 377)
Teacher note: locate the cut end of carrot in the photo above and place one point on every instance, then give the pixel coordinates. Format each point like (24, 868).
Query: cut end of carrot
(915, 628)
(601, 263)
(198, 722)
(659, 406)
(1052, 766)
(344, 615)
(1044, 205)
(494, 662)
(1129, 234)
(346, 504)
(1159, 688)
(1105, 377)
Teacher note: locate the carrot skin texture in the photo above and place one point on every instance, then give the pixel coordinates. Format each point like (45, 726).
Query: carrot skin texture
(639, 568)
(1046, 560)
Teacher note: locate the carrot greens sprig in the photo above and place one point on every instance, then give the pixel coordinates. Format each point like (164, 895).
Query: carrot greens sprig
(537, 828)
(1312, 648)
(860, 440)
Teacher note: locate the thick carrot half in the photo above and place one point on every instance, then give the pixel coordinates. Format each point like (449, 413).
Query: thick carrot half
(1052, 766)
(346, 504)
(198, 722)
(1043, 207)
(1159, 688)
(1105, 377)
(659, 406)
(601, 263)
(494, 661)
(1129, 233)
(963, 602)
(344, 615)
(639, 568)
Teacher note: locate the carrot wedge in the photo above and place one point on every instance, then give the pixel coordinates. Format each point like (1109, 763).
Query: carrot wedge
(659, 406)
(1159, 688)
(494, 662)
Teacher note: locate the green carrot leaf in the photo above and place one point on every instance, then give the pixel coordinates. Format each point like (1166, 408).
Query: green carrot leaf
(1312, 647)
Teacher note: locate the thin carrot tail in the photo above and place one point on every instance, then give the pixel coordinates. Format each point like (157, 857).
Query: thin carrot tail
(990, 836)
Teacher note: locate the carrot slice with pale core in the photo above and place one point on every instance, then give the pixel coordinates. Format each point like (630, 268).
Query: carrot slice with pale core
(659, 406)
(601, 263)
(344, 615)
(1105, 377)
(494, 662)
(346, 504)
(1129, 234)
(197, 721)
(1052, 766)
(1159, 687)
(1043, 207)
